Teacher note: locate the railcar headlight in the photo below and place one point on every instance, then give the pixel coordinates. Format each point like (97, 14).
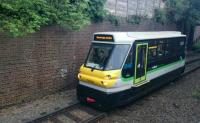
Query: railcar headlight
(79, 76)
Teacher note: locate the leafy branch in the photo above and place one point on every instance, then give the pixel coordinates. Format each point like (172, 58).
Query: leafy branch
(20, 17)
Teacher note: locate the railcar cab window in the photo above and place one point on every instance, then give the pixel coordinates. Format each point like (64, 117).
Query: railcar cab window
(106, 56)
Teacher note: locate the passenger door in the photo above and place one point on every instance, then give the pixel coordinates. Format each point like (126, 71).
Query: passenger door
(141, 62)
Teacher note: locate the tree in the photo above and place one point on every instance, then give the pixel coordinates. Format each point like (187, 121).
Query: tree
(20, 17)
(186, 14)
(96, 10)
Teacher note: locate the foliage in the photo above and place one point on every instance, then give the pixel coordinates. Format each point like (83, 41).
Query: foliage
(96, 10)
(113, 19)
(68, 13)
(177, 9)
(160, 16)
(20, 17)
(185, 13)
(134, 19)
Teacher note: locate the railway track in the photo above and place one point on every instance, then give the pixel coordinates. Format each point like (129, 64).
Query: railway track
(191, 66)
(74, 113)
(77, 113)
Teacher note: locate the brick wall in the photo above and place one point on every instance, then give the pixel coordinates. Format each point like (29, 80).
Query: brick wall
(48, 61)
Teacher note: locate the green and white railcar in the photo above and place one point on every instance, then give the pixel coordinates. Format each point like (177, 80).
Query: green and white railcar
(122, 66)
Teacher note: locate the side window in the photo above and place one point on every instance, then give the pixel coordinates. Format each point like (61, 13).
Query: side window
(161, 49)
(152, 52)
(128, 68)
(167, 50)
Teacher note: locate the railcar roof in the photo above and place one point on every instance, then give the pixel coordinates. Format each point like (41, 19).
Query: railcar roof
(132, 36)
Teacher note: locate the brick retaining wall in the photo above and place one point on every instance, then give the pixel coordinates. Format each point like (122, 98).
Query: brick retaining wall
(48, 61)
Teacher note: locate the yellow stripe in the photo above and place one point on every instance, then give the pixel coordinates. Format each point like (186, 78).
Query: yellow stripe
(152, 47)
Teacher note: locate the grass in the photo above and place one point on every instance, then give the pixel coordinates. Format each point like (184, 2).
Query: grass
(196, 94)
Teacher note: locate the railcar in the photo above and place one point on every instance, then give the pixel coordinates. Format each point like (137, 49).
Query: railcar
(123, 66)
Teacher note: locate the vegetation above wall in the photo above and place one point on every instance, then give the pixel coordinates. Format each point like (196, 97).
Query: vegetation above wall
(179, 11)
(185, 13)
(160, 16)
(113, 19)
(96, 10)
(134, 19)
(20, 17)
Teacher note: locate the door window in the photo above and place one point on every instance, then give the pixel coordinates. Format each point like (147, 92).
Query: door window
(141, 62)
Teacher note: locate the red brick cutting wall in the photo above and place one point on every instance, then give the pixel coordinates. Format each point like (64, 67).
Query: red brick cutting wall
(31, 67)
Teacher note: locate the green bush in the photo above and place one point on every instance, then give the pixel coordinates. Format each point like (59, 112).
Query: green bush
(134, 19)
(113, 19)
(96, 10)
(20, 17)
(160, 16)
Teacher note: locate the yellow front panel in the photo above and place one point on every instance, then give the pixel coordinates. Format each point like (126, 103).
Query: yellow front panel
(98, 77)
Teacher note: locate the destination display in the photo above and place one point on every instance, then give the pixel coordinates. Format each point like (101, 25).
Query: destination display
(103, 38)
